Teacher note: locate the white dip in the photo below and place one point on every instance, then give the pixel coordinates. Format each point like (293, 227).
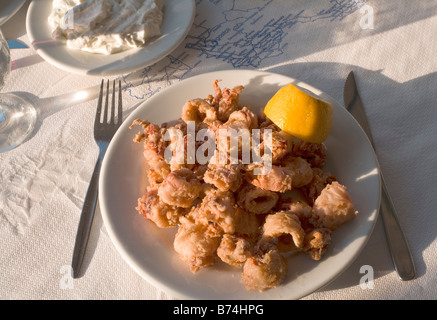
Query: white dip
(106, 26)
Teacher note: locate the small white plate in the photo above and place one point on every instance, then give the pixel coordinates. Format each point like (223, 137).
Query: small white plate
(179, 16)
(8, 8)
(149, 250)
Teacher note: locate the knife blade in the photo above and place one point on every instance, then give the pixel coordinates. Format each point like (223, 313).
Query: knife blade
(399, 250)
(14, 44)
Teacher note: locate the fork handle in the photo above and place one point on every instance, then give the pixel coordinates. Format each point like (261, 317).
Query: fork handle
(86, 220)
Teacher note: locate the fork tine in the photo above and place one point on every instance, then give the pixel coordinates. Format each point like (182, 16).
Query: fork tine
(105, 112)
(112, 119)
(99, 105)
(120, 105)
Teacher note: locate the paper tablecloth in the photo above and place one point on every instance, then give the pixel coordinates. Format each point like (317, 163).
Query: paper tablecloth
(389, 44)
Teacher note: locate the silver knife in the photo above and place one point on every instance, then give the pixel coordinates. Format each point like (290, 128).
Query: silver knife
(399, 250)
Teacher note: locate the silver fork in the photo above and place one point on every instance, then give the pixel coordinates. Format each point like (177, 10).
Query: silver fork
(103, 133)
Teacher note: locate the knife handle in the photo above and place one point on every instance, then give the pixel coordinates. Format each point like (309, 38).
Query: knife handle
(399, 250)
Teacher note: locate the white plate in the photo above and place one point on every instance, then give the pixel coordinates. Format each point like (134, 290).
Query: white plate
(8, 8)
(149, 250)
(179, 16)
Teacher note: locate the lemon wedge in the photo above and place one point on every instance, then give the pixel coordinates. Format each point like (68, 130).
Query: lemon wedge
(300, 113)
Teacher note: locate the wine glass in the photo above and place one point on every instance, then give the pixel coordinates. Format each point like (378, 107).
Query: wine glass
(17, 116)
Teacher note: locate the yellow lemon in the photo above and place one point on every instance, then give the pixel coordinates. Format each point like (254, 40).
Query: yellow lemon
(300, 113)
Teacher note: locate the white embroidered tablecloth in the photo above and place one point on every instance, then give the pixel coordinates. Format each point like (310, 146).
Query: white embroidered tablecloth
(391, 47)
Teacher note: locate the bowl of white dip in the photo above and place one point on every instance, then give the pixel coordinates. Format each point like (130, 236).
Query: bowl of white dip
(107, 37)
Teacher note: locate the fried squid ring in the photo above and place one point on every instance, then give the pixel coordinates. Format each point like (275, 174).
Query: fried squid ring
(255, 200)
(218, 209)
(264, 271)
(284, 223)
(162, 214)
(316, 242)
(234, 250)
(195, 245)
(333, 207)
(276, 179)
(180, 188)
(198, 110)
(224, 176)
(299, 169)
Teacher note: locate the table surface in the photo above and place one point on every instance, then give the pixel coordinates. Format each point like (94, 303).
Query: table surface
(391, 48)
